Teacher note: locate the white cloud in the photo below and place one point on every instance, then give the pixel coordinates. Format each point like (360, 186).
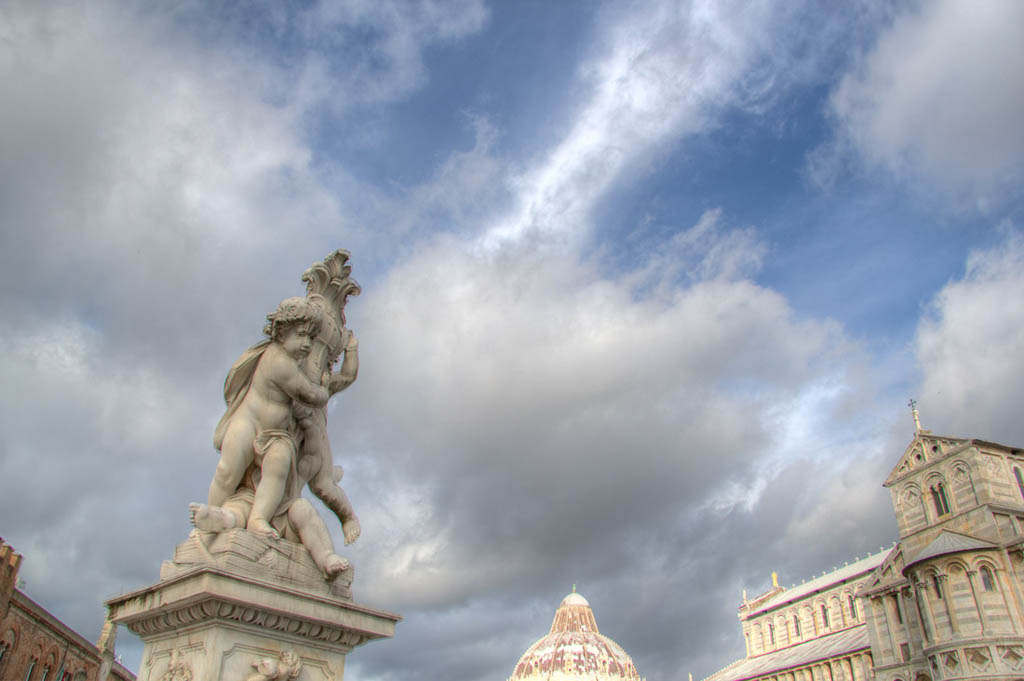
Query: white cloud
(372, 50)
(547, 395)
(660, 75)
(969, 347)
(938, 96)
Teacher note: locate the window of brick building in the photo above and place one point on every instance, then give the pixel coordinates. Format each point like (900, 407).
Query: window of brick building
(987, 581)
(939, 499)
(824, 617)
(853, 608)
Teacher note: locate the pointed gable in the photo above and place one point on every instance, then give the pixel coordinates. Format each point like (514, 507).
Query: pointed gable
(922, 450)
(888, 573)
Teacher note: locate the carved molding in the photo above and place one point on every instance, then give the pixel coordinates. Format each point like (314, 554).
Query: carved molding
(223, 610)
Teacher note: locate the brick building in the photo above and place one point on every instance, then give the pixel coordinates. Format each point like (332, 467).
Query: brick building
(36, 646)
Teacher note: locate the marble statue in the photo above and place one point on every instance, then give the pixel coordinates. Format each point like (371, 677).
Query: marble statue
(273, 436)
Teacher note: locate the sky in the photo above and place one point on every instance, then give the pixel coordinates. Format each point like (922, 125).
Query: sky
(647, 287)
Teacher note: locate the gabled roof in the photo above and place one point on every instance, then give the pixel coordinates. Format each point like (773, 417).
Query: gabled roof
(826, 581)
(841, 643)
(919, 453)
(950, 542)
(878, 581)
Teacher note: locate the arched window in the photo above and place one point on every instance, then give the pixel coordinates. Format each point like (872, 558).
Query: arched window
(796, 626)
(1020, 481)
(853, 608)
(824, 616)
(771, 634)
(937, 585)
(939, 499)
(988, 583)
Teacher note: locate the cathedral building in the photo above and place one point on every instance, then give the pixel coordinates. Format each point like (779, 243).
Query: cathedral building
(574, 650)
(946, 602)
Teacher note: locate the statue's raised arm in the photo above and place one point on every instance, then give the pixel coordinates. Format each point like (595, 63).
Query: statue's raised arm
(328, 286)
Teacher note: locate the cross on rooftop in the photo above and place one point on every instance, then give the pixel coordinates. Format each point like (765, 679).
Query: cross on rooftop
(913, 410)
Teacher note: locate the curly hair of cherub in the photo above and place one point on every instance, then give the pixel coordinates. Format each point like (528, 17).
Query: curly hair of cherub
(296, 310)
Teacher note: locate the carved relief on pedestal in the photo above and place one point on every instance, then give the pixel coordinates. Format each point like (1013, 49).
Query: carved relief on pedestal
(178, 670)
(286, 666)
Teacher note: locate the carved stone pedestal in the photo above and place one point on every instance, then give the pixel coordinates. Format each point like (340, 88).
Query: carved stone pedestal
(243, 608)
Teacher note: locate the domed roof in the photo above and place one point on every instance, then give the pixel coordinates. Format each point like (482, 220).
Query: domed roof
(574, 650)
(575, 599)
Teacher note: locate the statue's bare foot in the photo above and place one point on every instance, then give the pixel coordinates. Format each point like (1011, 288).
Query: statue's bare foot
(210, 518)
(351, 530)
(262, 528)
(335, 565)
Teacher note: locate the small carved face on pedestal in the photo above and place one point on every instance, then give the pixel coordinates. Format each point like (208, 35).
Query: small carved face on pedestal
(297, 339)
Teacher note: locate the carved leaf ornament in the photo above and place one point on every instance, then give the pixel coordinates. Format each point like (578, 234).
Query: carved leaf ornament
(332, 280)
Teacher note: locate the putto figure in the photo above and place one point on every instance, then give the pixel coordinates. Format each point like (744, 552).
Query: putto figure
(273, 435)
(259, 426)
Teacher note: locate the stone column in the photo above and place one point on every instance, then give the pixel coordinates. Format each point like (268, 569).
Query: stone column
(982, 620)
(245, 605)
(997, 577)
(954, 626)
(924, 612)
(888, 625)
(1011, 576)
(900, 596)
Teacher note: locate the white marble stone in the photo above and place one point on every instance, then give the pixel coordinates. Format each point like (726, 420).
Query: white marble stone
(220, 611)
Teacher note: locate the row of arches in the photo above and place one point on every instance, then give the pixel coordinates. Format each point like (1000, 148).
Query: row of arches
(42, 664)
(961, 596)
(804, 621)
(855, 667)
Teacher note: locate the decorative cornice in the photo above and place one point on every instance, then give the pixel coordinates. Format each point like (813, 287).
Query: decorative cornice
(215, 609)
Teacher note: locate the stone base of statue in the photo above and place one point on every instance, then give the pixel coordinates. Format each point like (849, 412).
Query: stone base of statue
(238, 607)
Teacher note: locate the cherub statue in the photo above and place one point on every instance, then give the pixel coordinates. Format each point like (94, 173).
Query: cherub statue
(259, 426)
(273, 436)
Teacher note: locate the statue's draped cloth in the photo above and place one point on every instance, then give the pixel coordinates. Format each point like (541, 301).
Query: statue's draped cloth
(236, 385)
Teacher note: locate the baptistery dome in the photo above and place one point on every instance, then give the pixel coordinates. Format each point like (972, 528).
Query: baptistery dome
(574, 650)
